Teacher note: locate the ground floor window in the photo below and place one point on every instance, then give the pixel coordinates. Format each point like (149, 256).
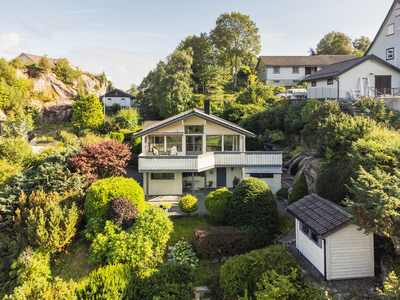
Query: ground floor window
(162, 176)
(262, 175)
(200, 174)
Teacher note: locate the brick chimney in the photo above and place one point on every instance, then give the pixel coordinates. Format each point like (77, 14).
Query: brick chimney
(207, 106)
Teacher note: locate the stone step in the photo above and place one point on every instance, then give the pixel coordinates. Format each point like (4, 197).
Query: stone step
(170, 260)
(169, 255)
(170, 248)
(201, 289)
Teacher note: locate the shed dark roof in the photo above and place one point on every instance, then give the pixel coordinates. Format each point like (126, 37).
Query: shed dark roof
(320, 215)
(198, 112)
(308, 61)
(338, 69)
(120, 93)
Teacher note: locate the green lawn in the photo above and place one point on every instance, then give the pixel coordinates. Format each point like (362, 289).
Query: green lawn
(206, 271)
(185, 226)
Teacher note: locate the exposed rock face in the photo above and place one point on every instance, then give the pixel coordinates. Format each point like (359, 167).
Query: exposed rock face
(304, 162)
(60, 110)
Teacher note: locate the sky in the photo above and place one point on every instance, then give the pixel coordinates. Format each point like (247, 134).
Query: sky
(127, 38)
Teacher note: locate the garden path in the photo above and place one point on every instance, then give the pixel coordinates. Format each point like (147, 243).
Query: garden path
(174, 200)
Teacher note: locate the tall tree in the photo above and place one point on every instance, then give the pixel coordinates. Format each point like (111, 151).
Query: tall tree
(236, 40)
(361, 45)
(335, 43)
(167, 90)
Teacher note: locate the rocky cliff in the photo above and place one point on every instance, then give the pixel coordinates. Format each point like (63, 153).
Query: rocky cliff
(59, 96)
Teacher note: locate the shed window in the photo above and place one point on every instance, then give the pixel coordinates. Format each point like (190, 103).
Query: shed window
(162, 176)
(276, 70)
(310, 234)
(109, 99)
(313, 83)
(329, 82)
(390, 29)
(295, 70)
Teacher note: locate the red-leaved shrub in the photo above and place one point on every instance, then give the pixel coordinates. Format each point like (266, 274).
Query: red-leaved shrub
(98, 161)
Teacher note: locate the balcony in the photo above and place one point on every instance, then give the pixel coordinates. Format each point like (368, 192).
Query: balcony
(209, 160)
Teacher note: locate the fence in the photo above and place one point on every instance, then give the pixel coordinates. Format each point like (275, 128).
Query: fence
(326, 93)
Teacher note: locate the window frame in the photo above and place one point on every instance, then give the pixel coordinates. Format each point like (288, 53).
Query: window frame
(397, 13)
(329, 81)
(387, 29)
(294, 72)
(276, 70)
(194, 132)
(312, 236)
(314, 83)
(163, 175)
(213, 136)
(387, 53)
(262, 175)
(235, 142)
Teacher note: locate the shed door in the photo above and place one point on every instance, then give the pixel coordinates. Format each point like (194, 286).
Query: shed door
(383, 85)
(221, 176)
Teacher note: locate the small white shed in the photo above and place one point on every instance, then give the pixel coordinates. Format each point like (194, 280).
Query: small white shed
(324, 236)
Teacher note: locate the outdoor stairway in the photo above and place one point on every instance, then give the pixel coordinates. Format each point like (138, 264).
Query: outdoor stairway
(169, 258)
(349, 108)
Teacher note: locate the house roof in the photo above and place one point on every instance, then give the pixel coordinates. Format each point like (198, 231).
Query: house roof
(197, 112)
(322, 216)
(119, 94)
(382, 26)
(3, 117)
(335, 70)
(36, 59)
(308, 61)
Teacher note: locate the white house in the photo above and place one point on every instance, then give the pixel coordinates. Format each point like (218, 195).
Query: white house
(363, 76)
(36, 58)
(326, 238)
(196, 150)
(3, 118)
(117, 96)
(386, 44)
(288, 70)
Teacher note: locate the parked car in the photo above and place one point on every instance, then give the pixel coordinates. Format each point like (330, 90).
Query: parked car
(294, 94)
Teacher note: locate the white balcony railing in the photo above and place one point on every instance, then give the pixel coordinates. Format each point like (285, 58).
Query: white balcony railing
(198, 163)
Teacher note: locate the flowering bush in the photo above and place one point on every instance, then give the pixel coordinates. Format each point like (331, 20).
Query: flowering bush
(183, 253)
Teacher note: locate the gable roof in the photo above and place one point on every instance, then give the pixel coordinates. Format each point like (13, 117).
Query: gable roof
(322, 216)
(335, 70)
(36, 59)
(382, 26)
(306, 61)
(197, 112)
(120, 93)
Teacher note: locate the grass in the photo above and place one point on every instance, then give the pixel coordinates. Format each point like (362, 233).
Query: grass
(287, 225)
(48, 131)
(185, 226)
(73, 262)
(205, 271)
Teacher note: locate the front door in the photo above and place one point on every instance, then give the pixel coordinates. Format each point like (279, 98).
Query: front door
(221, 177)
(383, 85)
(194, 144)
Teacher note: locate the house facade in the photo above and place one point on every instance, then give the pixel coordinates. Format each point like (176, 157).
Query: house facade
(117, 96)
(368, 76)
(36, 58)
(288, 70)
(336, 248)
(197, 150)
(386, 44)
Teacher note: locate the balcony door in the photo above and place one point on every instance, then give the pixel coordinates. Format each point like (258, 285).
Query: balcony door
(194, 144)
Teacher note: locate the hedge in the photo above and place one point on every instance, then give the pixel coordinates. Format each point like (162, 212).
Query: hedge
(300, 189)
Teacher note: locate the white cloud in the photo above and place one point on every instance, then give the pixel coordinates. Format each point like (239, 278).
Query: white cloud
(9, 45)
(123, 67)
(271, 36)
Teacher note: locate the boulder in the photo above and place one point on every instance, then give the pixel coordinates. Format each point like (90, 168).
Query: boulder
(310, 167)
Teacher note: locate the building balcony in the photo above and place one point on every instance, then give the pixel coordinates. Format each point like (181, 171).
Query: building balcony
(209, 160)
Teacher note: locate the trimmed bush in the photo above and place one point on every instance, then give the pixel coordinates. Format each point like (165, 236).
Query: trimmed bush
(253, 204)
(183, 253)
(101, 193)
(300, 189)
(87, 113)
(127, 118)
(283, 193)
(188, 204)
(117, 136)
(215, 242)
(216, 203)
(241, 273)
(16, 151)
(123, 212)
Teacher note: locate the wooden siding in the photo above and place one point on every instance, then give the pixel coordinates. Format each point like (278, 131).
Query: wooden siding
(350, 254)
(247, 159)
(309, 249)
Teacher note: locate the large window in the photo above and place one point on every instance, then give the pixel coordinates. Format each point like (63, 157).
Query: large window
(295, 70)
(231, 143)
(194, 128)
(262, 175)
(157, 142)
(214, 143)
(276, 70)
(200, 174)
(162, 176)
(174, 141)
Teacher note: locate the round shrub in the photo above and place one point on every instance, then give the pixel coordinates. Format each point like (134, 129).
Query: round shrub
(127, 118)
(188, 204)
(253, 204)
(102, 192)
(300, 189)
(216, 203)
(123, 212)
